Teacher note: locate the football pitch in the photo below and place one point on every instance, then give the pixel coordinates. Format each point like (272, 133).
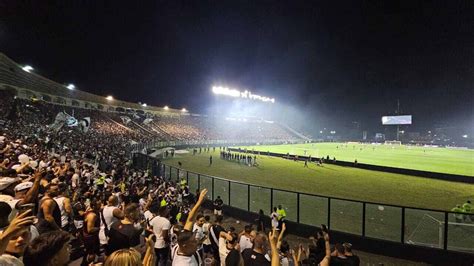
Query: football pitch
(383, 222)
(333, 181)
(432, 159)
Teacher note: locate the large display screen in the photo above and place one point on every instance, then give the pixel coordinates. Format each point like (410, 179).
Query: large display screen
(396, 120)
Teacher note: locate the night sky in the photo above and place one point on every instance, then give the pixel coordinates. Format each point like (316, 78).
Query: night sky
(338, 61)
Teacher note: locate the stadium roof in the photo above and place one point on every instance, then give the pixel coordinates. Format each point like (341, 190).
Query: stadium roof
(11, 73)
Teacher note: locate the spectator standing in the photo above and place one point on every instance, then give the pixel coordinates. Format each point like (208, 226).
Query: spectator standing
(185, 253)
(228, 243)
(123, 233)
(49, 214)
(161, 228)
(261, 221)
(218, 203)
(64, 204)
(257, 256)
(109, 215)
(281, 215)
(246, 237)
(354, 260)
(274, 217)
(91, 232)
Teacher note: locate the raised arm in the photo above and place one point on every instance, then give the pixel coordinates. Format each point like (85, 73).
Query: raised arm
(327, 259)
(272, 238)
(32, 194)
(192, 215)
(280, 237)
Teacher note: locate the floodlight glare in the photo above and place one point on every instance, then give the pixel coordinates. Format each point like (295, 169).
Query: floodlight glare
(144, 105)
(71, 86)
(184, 110)
(109, 98)
(166, 107)
(235, 93)
(27, 68)
(464, 136)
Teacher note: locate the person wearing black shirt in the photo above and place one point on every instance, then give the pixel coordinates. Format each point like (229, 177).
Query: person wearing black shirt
(353, 260)
(338, 258)
(256, 256)
(123, 233)
(218, 206)
(214, 233)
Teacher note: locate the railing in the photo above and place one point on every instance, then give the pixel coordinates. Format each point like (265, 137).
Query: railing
(406, 225)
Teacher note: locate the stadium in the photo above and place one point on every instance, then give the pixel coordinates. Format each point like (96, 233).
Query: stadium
(87, 177)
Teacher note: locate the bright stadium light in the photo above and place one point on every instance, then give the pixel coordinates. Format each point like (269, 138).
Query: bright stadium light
(236, 93)
(144, 104)
(109, 98)
(27, 68)
(71, 86)
(184, 110)
(166, 107)
(465, 136)
(333, 132)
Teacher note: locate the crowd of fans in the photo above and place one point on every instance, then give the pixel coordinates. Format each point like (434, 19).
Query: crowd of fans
(72, 193)
(215, 128)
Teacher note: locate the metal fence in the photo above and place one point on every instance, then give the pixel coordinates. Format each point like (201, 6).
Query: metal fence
(407, 225)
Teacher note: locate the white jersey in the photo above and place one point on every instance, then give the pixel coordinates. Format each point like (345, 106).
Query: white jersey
(109, 218)
(181, 260)
(245, 242)
(64, 216)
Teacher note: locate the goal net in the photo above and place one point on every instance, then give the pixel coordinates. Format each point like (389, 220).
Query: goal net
(429, 232)
(393, 142)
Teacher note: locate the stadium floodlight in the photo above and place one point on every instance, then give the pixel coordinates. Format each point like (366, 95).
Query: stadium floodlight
(465, 136)
(144, 104)
(27, 68)
(109, 98)
(166, 107)
(333, 132)
(238, 94)
(71, 86)
(184, 110)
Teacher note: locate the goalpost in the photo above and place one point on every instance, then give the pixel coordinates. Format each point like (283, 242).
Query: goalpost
(458, 234)
(393, 142)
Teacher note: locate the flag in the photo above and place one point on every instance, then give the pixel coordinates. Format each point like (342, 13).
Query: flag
(85, 124)
(147, 121)
(125, 119)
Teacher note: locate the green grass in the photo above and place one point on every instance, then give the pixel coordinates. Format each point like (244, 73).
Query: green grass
(335, 181)
(441, 160)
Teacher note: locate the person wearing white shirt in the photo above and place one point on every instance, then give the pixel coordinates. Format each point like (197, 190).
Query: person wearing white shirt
(161, 226)
(199, 231)
(246, 238)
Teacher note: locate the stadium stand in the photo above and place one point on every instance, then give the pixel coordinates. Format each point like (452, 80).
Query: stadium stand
(63, 179)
